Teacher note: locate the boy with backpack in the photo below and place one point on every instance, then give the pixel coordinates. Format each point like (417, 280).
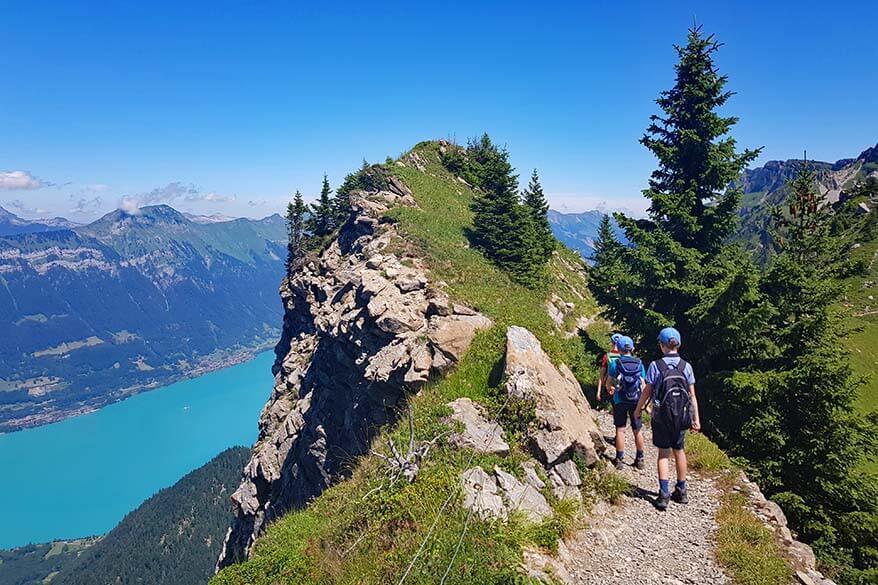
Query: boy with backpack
(670, 383)
(606, 360)
(626, 380)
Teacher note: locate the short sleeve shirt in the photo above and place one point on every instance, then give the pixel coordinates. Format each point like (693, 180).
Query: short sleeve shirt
(654, 374)
(613, 372)
(609, 358)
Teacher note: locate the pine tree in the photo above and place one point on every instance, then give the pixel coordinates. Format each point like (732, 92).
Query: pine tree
(676, 269)
(538, 207)
(296, 232)
(502, 226)
(605, 271)
(322, 220)
(800, 427)
(341, 203)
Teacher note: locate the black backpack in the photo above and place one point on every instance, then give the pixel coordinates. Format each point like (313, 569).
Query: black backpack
(674, 411)
(629, 369)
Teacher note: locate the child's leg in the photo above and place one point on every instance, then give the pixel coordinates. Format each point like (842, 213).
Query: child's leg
(663, 455)
(638, 440)
(682, 467)
(619, 421)
(620, 440)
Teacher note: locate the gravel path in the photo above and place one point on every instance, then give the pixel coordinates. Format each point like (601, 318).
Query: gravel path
(634, 543)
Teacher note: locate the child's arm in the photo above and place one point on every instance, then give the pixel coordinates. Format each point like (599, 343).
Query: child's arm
(644, 399)
(696, 419)
(601, 376)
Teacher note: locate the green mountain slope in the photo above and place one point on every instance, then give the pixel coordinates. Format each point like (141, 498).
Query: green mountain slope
(342, 537)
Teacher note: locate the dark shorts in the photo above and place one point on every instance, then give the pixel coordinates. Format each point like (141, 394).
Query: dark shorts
(664, 438)
(624, 412)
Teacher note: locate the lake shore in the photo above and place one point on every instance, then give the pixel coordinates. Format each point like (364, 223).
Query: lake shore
(217, 360)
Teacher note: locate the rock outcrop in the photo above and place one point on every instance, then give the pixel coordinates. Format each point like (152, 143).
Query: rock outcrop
(564, 424)
(362, 329)
(563, 428)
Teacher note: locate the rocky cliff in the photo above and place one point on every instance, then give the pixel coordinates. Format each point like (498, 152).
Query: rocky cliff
(363, 328)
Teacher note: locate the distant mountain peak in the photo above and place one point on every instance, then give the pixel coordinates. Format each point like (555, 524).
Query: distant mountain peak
(870, 155)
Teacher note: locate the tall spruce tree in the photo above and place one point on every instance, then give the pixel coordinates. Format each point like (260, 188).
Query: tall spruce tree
(322, 220)
(798, 424)
(538, 208)
(676, 270)
(296, 232)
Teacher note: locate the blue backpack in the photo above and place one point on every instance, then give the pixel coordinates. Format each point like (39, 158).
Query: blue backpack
(629, 369)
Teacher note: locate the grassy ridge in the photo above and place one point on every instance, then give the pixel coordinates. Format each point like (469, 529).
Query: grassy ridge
(747, 550)
(365, 531)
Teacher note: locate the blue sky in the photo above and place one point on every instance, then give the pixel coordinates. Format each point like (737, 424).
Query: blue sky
(228, 107)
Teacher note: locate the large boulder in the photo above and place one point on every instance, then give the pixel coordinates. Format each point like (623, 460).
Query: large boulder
(478, 433)
(564, 424)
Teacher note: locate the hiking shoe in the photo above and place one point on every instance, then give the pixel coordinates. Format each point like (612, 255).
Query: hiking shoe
(638, 463)
(680, 496)
(663, 501)
(619, 464)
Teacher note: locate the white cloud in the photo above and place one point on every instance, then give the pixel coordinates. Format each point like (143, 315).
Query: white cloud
(215, 197)
(20, 180)
(171, 192)
(86, 204)
(20, 205)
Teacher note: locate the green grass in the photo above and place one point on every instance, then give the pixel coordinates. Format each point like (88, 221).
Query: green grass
(365, 531)
(703, 454)
(862, 320)
(746, 548)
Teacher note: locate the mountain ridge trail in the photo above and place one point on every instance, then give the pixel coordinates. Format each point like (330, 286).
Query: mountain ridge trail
(634, 543)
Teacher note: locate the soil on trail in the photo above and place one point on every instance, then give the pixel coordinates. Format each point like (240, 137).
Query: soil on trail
(634, 543)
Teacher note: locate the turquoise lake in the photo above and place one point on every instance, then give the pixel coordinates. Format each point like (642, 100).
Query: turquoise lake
(80, 476)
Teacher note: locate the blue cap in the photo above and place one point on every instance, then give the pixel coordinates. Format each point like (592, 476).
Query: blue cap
(667, 334)
(616, 338)
(626, 343)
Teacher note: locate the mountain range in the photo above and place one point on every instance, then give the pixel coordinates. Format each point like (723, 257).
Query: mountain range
(11, 224)
(126, 303)
(766, 187)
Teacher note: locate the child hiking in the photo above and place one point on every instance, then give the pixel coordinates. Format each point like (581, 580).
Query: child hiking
(626, 380)
(670, 383)
(606, 360)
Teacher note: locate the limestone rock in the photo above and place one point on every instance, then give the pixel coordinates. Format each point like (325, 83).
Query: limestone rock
(478, 433)
(531, 476)
(480, 494)
(543, 568)
(568, 473)
(453, 335)
(564, 424)
(522, 497)
(361, 331)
